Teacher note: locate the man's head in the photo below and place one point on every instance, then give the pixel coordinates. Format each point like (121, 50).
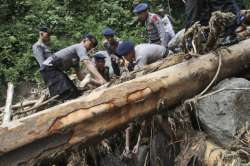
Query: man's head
(100, 61)
(161, 12)
(109, 34)
(44, 34)
(127, 50)
(142, 11)
(89, 41)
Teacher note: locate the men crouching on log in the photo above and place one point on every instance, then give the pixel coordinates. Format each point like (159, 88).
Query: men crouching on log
(52, 68)
(142, 54)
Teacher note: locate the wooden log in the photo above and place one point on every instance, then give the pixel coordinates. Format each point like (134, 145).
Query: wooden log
(98, 114)
(8, 110)
(159, 65)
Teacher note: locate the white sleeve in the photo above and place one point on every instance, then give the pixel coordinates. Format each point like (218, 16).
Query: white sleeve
(169, 27)
(160, 27)
(140, 62)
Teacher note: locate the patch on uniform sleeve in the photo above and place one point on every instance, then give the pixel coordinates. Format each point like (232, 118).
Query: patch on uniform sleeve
(155, 18)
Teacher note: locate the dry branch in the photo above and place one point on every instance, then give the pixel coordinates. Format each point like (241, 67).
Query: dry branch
(20, 105)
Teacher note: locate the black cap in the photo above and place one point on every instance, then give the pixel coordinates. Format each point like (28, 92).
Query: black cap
(44, 29)
(92, 38)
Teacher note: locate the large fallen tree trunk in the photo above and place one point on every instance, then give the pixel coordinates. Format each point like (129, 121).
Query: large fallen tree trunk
(96, 115)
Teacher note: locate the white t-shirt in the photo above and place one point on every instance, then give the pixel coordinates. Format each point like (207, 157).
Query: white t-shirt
(148, 53)
(168, 26)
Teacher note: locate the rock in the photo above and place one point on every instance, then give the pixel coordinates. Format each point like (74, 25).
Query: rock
(225, 112)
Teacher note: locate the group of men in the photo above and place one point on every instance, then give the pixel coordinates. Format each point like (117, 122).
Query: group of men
(117, 53)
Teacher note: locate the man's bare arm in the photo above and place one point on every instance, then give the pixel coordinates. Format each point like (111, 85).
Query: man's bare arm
(91, 68)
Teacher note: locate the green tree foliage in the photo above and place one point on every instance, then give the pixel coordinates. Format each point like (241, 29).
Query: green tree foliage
(69, 19)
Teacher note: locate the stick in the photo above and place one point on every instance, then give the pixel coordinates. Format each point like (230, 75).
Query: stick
(214, 78)
(24, 104)
(7, 111)
(38, 106)
(41, 99)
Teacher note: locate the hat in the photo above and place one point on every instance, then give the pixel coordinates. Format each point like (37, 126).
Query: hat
(161, 10)
(124, 48)
(99, 56)
(141, 7)
(44, 29)
(92, 38)
(108, 32)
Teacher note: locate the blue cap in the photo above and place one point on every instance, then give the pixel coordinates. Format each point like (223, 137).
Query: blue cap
(108, 32)
(99, 56)
(124, 48)
(141, 7)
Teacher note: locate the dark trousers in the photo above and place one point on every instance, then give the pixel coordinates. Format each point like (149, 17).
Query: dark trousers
(201, 10)
(59, 83)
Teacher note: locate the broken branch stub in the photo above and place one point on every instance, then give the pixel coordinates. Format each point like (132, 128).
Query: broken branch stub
(8, 110)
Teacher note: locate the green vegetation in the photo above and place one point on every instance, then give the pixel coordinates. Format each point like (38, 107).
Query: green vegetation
(69, 19)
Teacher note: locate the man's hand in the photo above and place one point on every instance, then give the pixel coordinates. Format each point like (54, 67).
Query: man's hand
(85, 81)
(97, 76)
(125, 76)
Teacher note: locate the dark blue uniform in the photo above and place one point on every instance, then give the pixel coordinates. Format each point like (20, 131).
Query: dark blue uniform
(201, 10)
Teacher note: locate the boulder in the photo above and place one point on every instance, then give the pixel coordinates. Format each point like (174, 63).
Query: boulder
(222, 114)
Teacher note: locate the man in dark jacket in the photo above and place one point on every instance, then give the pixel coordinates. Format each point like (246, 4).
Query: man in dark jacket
(201, 10)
